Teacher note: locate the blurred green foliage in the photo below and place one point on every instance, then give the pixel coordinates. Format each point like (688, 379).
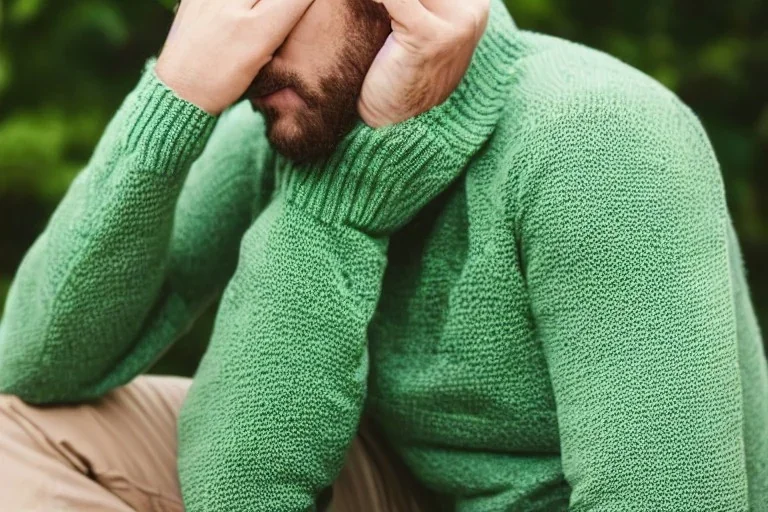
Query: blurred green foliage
(66, 66)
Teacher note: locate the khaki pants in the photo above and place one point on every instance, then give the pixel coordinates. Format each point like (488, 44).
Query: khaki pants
(118, 454)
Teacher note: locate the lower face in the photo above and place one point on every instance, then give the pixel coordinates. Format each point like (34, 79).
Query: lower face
(308, 93)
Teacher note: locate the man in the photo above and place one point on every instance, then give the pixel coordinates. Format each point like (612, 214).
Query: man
(520, 268)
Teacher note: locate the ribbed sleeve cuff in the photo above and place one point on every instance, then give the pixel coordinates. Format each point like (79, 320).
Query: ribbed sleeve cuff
(374, 181)
(161, 131)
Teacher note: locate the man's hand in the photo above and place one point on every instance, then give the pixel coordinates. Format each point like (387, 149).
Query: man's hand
(424, 58)
(215, 48)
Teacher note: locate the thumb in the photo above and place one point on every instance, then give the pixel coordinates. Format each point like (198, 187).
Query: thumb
(407, 13)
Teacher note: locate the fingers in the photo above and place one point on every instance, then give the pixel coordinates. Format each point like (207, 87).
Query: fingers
(275, 19)
(407, 13)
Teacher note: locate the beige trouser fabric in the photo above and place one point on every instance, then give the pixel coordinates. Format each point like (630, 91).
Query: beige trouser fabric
(118, 454)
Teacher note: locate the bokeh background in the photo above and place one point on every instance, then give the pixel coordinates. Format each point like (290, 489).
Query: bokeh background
(65, 66)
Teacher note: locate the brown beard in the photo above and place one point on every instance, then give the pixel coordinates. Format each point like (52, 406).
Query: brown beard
(330, 113)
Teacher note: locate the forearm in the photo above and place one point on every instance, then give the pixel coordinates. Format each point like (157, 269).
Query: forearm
(83, 289)
(281, 388)
(225, 188)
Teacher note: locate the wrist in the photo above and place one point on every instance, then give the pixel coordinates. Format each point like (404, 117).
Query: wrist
(185, 87)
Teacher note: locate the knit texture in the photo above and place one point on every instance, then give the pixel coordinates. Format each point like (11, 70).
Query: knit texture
(535, 289)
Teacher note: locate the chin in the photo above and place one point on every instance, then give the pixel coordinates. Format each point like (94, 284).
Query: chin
(285, 131)
(288, 139)
(302, 138)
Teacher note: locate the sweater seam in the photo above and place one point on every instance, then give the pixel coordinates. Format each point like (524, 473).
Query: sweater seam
(414, 410)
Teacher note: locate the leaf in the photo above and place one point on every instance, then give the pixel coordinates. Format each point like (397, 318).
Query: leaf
(5, 71)
(168, 4)
(23, 11)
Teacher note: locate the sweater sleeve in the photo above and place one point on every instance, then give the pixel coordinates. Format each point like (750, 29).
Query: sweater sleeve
(278, 395)
(623, 234)
(143, 240)
(277, 398)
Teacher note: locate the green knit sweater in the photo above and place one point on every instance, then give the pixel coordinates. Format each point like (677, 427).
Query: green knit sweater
(535, 289)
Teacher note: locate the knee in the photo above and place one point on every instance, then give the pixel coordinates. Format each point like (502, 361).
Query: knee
(10, 402)
(10, 407)
(6, 400)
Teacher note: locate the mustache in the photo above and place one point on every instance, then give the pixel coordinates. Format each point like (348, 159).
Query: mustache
(270, 80)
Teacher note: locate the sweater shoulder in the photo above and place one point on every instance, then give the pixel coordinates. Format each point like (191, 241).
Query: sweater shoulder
(560, 76)
(578, 116)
